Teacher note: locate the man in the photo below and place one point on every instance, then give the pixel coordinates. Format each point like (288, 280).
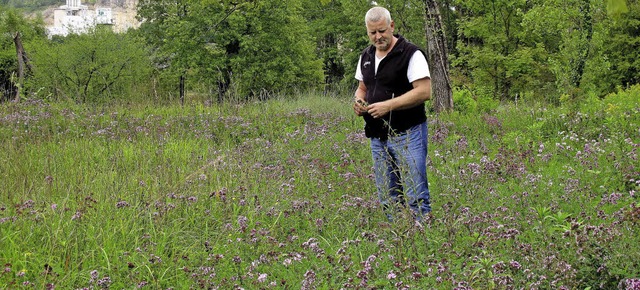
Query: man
(394, 83)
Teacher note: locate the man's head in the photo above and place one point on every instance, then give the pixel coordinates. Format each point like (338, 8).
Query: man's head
(379, 28)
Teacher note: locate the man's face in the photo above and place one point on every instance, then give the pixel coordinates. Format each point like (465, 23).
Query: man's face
(380, 34)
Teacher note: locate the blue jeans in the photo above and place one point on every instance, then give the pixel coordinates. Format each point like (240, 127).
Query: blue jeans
(400, 170)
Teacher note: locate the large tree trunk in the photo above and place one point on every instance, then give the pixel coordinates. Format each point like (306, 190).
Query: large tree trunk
(438, 58)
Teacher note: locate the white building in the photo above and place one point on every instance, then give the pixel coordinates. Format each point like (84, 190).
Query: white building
(104, 16)
(77, 18)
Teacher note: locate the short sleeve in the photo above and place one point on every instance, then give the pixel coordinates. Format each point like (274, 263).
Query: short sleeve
(418, 67)
(359, 75)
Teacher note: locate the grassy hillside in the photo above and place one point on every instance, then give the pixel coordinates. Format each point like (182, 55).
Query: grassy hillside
(279, 195)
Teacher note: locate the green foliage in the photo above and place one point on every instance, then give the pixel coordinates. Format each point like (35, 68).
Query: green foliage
(13, 22)
(248, 48)
(545, 48)
(467, 103)
(617, 6)
(277, 52)
(464, 101)
(334, 30)
(8, 67)
(99, 66)
(487, 104)
(621, 112)
(491, 48)
(621, 51)
(623, 102)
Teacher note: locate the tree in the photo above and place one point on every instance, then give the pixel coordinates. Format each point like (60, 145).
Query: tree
(277, 51)
(331, 27)
(495, 51)
(570, 35)
(438, 57)
(14, 61)
(255, 47)
(584, 42)
(95, 67)
(622, 50)
(176, 33)
(23, 64)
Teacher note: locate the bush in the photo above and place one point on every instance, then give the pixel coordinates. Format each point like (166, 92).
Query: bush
(464, 102)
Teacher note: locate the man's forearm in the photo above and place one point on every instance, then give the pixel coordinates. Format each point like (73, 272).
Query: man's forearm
(416, 96)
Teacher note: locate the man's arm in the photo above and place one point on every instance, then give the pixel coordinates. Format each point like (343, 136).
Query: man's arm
(420, 93)
(360, 94)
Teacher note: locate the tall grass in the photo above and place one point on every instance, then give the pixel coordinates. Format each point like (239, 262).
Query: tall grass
(279, 195)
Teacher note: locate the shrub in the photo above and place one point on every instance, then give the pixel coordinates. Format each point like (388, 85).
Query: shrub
(464, 102)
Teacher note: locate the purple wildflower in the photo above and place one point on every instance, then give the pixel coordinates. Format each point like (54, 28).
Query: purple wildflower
(630, 284)
(515, 265)
(94, 276)
(104, 282)
(309, 280)
(76, 216)
(242, 222)
(142, 284)
(391, 275)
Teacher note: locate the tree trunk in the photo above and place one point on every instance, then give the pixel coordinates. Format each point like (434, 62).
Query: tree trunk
(182, 78)
(438, 58)
(20, 54)
(585, 43)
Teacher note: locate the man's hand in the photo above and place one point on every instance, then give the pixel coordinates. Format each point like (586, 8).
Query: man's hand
(360, 106)
(420, 93)
(379, 110)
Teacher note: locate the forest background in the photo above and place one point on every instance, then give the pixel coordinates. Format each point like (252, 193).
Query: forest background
(501, 50)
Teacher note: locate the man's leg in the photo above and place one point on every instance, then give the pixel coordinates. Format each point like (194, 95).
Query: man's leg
(411, 149)
(386, 176)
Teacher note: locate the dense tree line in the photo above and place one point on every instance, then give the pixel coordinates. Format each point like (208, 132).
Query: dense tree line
(503, 50)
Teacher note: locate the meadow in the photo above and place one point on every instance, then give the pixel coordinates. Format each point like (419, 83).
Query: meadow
(279, 194)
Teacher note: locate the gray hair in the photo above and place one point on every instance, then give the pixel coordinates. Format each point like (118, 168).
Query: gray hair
(377, 13)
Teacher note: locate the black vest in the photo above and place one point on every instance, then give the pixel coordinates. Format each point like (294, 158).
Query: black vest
(391, 81)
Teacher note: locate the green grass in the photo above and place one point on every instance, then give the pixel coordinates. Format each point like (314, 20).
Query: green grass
(279, 195)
